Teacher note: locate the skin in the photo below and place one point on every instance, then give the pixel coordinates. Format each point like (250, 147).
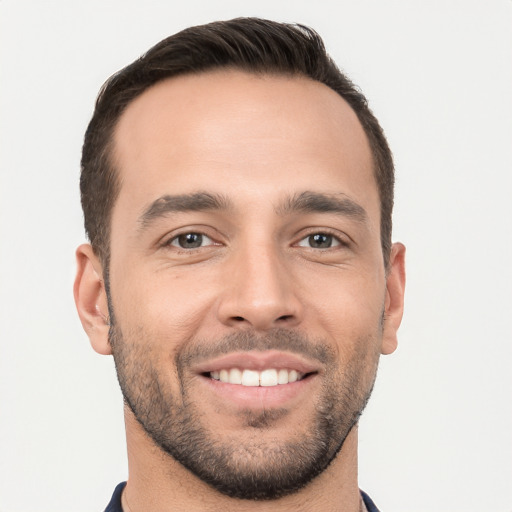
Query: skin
(258, 141)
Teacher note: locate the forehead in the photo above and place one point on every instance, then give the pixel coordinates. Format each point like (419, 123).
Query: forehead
(240, 133)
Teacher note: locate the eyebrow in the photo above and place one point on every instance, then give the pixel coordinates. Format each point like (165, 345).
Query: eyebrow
(197, 202)
(316, 202)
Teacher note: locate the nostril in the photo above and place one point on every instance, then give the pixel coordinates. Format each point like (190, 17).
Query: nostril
(261, 322)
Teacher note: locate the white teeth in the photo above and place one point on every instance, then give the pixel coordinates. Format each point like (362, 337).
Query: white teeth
(282, 376)
(268, 377)
(235, 376)
(250, 378)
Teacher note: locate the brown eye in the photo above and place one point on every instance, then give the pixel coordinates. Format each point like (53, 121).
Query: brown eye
(191, 241)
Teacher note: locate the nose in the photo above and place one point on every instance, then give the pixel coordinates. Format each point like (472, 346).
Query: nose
(259, 292)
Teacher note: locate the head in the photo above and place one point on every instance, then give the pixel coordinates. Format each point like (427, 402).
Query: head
(237, 192)
(251, 45)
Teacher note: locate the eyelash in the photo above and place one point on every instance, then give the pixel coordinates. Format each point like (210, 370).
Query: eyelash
(334, 240)
(174, 241)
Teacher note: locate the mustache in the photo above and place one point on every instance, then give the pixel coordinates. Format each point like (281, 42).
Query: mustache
(245, 341)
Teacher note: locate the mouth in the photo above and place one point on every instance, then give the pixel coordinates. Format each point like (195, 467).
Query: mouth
(259, 379)
(253, 378)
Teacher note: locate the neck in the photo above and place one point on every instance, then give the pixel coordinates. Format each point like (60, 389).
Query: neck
(158, 482)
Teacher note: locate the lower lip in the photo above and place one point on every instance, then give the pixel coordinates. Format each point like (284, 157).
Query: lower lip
(259, 397)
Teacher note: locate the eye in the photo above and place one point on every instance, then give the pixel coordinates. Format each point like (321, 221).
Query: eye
(191, 241)
(319, 241)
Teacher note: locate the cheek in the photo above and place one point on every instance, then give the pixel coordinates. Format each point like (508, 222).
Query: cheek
(168, 303)
(347, 309)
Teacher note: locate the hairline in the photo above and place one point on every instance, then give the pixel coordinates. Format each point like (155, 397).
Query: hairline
(113, 161)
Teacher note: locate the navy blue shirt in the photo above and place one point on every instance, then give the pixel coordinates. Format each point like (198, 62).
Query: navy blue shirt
(115, 502)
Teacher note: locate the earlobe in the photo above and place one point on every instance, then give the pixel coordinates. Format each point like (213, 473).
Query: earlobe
(394, 305)
(91, 299)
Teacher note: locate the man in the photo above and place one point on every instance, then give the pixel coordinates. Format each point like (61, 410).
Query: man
(237, 194)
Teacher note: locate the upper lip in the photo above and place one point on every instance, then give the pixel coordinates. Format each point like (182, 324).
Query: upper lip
(258, 361)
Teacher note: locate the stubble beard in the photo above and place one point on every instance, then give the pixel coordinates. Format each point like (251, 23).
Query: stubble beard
(257, 468)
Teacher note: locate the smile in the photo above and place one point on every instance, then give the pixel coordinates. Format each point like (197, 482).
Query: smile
(267, 377)
(258, 379)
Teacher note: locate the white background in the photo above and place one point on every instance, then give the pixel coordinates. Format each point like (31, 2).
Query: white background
(437, 435)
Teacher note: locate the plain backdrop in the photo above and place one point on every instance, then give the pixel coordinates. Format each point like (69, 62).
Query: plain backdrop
(437, 435)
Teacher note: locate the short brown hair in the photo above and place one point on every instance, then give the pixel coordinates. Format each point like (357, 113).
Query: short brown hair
(248, 44)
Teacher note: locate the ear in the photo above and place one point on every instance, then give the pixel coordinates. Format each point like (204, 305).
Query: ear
(394, 304)
(91, 299)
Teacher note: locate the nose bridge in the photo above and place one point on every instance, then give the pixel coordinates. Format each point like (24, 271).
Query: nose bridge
(259, 289)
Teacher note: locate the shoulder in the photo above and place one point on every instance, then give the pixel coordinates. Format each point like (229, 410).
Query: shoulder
(370, 506)
(115, 502)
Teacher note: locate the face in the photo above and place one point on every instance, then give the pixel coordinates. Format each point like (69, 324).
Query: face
(248, 297)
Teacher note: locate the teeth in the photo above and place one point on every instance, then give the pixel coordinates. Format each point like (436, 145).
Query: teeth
(235, 376)
(282, 377)
(268, 377)
(250, 378)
